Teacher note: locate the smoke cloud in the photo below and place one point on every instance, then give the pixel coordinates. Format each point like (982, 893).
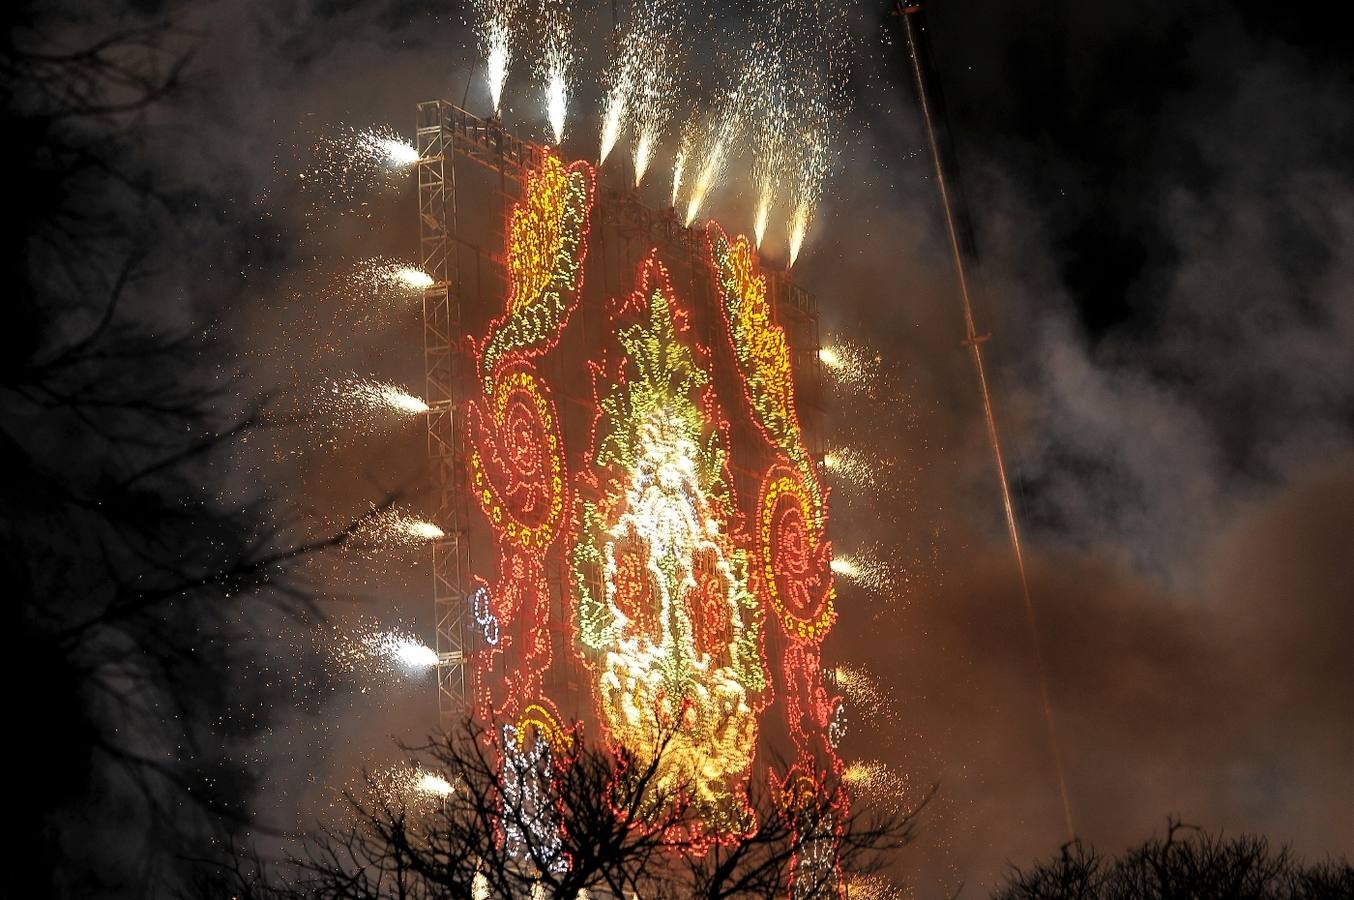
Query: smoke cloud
(1166, 269)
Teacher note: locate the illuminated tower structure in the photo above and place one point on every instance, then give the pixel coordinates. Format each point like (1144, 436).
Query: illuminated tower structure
(625, 432)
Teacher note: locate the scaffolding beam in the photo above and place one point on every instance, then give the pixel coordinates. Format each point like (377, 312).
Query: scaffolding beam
(443, 363)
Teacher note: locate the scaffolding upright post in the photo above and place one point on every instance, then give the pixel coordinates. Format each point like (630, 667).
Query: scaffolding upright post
(443, 366)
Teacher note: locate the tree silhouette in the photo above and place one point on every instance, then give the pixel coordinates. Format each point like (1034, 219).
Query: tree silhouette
(621, 834)
(1187, 864)
(125, 569)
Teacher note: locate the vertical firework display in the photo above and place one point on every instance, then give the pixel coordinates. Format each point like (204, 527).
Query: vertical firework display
(647, 534)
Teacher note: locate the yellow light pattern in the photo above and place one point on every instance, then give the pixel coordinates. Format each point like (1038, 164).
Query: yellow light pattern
(763, 356)
(675, 626)
(522, 457)
(797, 546)
(548, 232)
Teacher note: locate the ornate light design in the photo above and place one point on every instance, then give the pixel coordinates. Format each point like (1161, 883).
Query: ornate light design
(530, 821)
(687, 600)
(794, 554)
(675, 628)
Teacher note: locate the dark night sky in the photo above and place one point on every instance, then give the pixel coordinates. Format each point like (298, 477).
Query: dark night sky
(1162, 195)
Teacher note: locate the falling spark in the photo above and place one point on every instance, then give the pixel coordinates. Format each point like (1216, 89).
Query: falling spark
(413, 654)
(392, 529)
(380, 146)
(622, 83)
(678, 164)
(812, 171)
(862, 690)
(640, 80)
(424, 530)
(479, 888)
(766, 172)
(398, 400)
(399, 153)
(349, 163)
(873, 887)
(722, 133)
(869, 572)
(367, 648)
(802, 74)
(651, 102)
(411, 277)
(769, 84)
(683, 156)
(853, 366)
(556, 102)
(496, 68)
(763, 214)
(340, 410)
(409, 787)
(855, 467)
(373, 276)
(348, 397)
(643, 149)
(611, 121)
(709, 174)
(433, 785)
(371, 294)
(799, 226)
(882, 784)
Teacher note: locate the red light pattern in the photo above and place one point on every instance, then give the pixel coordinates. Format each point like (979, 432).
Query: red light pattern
(671, 575)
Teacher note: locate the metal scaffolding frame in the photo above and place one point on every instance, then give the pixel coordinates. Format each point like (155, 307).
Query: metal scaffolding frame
(443, 362)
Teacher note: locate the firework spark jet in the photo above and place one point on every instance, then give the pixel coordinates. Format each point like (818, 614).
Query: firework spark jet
(494, 29)
(852, 365)
(721, 135)
(555, 63)
(640, 83)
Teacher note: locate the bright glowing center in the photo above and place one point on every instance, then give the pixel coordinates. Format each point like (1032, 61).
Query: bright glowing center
(845, 566)
(704, 181)
(675, 594)
(398, 153)
(611, 122)
(425, 530)
(643, 150)
(432, 785)
(496, 68)
(763, 213)
(413, 655)
(556, 101)
(400, 401)
(414, 278)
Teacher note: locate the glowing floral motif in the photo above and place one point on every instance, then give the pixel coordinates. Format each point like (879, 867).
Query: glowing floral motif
(671, 574)
(795, 556)
(674, 626)
(516, 462)
(795, 559)
(530, 819)
(763, 355)
(548, 243)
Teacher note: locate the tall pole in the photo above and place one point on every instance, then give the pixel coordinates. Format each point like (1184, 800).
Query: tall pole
(974, 341)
